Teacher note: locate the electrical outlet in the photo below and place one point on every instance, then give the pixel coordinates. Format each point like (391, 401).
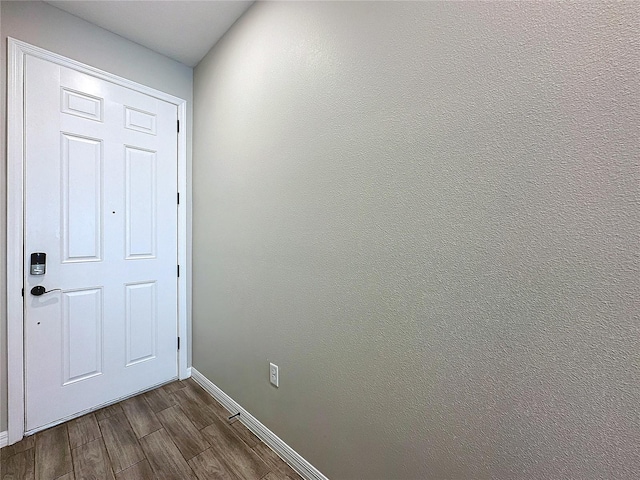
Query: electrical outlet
(274, 376)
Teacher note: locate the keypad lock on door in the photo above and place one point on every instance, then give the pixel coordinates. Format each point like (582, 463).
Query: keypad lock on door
(39, 267)
(38, 263)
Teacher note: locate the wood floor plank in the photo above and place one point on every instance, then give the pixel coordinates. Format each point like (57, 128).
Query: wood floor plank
(159, 399)
(275, 463)
(207, 466)
(109, 411)
(201, 415)
(243, 432)
(174, 386)
(217, 407)
(165, 458)
(83, 430)
(68, 476)
(275, 476)
(142, 419)
(52, 453)
(25, 444)
(140, 471)
(199, 392)
(201, 395)
(19, 466)
(187, 438)
(92, 461)
(121, 442)
(237, 456)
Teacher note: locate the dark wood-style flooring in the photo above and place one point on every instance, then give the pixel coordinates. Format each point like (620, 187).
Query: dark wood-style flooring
(177, 431)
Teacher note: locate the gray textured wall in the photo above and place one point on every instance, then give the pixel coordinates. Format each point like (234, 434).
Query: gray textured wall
(427, 214)
(45, 26)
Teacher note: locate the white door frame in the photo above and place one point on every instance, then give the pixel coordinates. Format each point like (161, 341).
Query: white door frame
(15, 217)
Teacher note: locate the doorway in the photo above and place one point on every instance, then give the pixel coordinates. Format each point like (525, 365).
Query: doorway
(96, 165)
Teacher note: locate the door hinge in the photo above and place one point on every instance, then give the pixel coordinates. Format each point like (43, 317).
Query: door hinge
(178, 270)
(23, 292)
(178, 198)
(178, 343)
(178, 126)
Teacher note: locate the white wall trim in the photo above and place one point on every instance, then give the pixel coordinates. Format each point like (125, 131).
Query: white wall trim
(15, 182)
(284, 451)
(4, 439)
(184, 237)
(15, 217)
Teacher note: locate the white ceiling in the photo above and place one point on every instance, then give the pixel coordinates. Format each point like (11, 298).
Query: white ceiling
(180, 29)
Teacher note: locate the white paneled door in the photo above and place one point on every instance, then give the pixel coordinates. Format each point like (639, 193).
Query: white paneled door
(100, 201)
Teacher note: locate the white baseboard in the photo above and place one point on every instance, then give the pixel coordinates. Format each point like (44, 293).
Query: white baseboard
(4, 439)
(284, 451)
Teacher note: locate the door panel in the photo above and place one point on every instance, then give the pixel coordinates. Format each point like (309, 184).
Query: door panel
(141, 203)
(100, 200)
(82, 334)
(82, 105)
(82, 180)
(141, 316)
(140, 121)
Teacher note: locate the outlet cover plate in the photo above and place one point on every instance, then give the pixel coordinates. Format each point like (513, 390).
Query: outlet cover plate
(274, 376)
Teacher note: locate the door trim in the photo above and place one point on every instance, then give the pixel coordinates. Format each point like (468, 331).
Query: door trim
(18, 51)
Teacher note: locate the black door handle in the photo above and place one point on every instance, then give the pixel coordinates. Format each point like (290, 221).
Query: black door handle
(40, 290)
